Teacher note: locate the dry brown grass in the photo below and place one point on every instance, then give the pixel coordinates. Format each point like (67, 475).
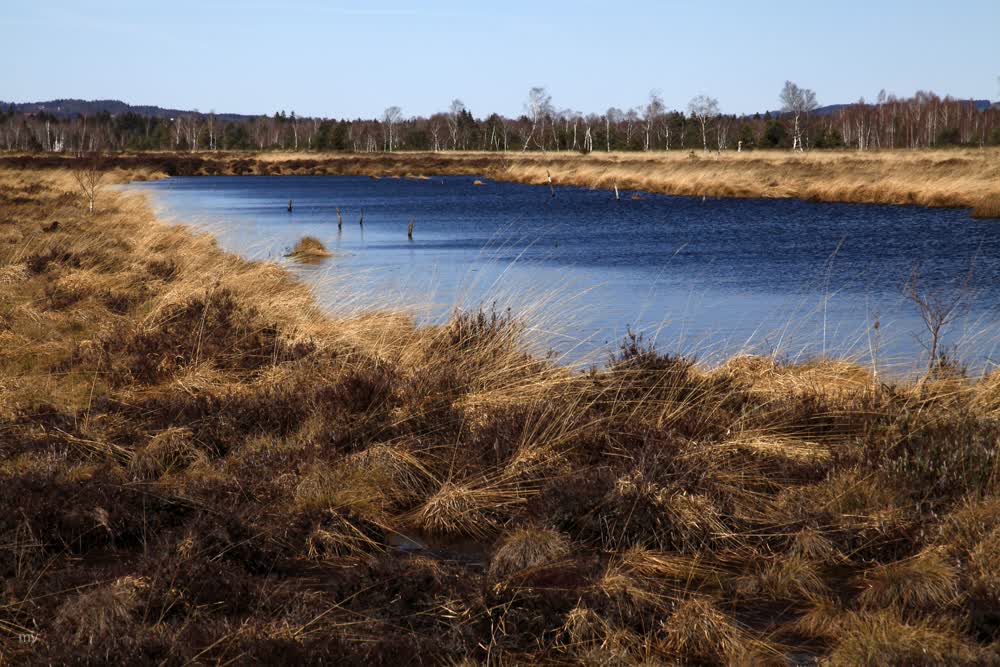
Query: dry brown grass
(884, 639)
(965, 178)
(309, 248)
(987, 207)
(528, 547)
(204, 467)
(925, 582)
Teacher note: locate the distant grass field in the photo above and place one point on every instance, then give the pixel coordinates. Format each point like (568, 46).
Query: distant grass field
(967, 178)
(198, 465)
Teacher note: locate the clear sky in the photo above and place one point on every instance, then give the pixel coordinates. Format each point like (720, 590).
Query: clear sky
(351, 59)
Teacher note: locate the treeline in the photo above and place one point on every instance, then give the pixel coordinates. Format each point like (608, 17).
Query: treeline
(923, 120)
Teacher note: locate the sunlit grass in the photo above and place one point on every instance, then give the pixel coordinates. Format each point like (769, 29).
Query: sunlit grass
(204, 465)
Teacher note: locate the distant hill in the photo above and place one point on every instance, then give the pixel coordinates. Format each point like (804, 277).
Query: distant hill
(981, 105)
(71, 107)
(829, 109)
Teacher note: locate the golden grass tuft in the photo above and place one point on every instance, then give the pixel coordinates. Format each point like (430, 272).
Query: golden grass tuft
(586, 634)
(688, 571)
(339, 537)
(698, 632)
(103, 614)
(399, 474)
(167, 452)
(526, 548)
(343, 487)
(810, 544)
(309, 248)
(969, 523)
(475, 508)
(790, 578)
(984, 574)
(928, 581)
(882, 638)
(823, 620)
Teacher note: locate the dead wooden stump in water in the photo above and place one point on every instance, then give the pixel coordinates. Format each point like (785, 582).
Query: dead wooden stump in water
(289, 205)
(409, 231)
(361, 221)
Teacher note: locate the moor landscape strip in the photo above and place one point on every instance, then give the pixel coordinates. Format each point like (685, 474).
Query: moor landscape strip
(207, 468)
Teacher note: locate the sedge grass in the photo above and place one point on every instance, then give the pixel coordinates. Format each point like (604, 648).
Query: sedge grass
(203, 462)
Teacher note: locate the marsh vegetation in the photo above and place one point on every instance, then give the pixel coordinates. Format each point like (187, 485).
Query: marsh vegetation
(199, 465)
(962, 178)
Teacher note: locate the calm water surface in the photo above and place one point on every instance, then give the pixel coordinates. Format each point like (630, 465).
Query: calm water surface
(707, 277)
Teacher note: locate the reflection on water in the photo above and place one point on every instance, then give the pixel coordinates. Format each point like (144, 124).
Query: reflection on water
(711, 277)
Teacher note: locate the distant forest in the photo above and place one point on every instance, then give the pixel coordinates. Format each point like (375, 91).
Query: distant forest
(921, 121)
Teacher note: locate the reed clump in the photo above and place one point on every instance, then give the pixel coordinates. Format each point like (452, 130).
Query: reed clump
(309, 248)
(200, 465)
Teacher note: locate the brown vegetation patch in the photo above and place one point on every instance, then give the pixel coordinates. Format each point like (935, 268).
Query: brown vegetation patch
(202, 467)
(987, 207)
(309, 248)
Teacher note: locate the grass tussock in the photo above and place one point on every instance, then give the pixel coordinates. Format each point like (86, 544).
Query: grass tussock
(309, 248)
(201, 466)
(528, 547)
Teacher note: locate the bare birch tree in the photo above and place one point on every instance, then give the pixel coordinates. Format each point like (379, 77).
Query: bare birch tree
(211, 130)
(192, 128)
(89, 176)
(435, 127)
(455, 111)
(797, 101)
(538, 106)
(390, 117)
(612, 117)
(703, 109)
(939, 309)
(651, 114)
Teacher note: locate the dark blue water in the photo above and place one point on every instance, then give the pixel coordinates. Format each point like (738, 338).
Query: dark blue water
(710, 277)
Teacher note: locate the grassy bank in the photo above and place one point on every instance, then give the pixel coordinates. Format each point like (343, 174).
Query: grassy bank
(964, 178)
(199, 466)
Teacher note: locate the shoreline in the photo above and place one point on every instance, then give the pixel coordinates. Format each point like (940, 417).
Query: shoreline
(895, 364)
(958, 178)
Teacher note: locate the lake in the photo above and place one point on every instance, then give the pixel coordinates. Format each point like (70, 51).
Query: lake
(705, 277)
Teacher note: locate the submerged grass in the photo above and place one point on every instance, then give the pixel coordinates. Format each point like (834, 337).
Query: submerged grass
(201, 466)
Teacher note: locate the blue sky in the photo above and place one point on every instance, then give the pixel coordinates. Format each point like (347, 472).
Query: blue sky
(350, 59)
